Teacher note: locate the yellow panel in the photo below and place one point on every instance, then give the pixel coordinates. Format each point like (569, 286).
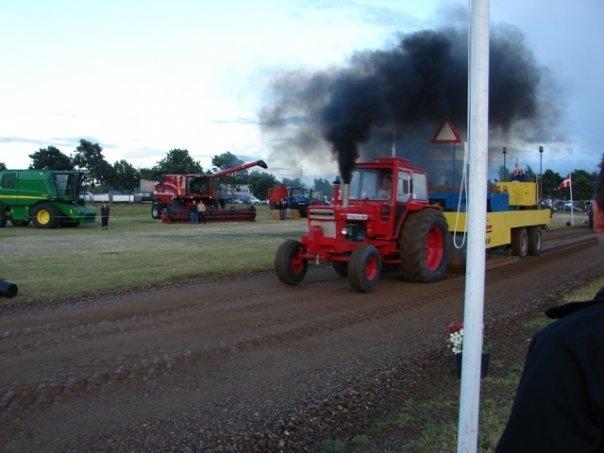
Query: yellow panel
(521, 193)
(500, 224)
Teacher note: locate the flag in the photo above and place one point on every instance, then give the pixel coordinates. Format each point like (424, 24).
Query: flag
(565, 184)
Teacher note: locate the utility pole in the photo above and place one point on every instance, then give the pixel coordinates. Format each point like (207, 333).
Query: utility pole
(505, 151)
(478, 132)
(540, 176)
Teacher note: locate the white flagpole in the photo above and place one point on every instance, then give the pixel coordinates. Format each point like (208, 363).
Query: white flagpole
(572, 211)
(478, 132)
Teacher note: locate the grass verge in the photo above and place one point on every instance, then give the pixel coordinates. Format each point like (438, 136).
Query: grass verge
(136, 251)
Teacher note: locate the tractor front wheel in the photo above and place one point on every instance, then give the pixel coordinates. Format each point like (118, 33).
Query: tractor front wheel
(423, 246)
(364, 268)
(45, 215)
(289, 262)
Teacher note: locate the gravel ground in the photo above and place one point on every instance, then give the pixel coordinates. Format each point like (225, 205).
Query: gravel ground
(241, 363)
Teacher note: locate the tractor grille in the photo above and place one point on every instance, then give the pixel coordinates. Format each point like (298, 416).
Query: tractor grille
(325, 219)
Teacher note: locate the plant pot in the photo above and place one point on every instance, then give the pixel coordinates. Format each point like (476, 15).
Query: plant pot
(484, 364)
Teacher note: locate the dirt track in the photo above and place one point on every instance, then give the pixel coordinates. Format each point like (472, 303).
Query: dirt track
(190, 365)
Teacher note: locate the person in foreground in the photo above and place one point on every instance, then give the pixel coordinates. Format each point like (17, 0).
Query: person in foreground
(559, 405)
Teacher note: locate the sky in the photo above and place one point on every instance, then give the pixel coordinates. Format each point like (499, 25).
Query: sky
(143, 77)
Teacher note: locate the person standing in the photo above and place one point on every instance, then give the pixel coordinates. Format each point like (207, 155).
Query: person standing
(104, 216)
(201, 212)
(193, 214)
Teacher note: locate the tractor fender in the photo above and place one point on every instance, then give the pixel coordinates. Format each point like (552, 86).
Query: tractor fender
(415, 207)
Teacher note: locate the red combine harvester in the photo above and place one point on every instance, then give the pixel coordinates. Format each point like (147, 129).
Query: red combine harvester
(383, 217)
(175, 193)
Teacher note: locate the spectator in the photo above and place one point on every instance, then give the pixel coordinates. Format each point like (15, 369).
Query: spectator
(193, 214)
(282, 206)
(559, 405)
(105, 216)
(201, 212)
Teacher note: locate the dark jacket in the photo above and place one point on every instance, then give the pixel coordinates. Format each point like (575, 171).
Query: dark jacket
(104, 211)
(559, 405)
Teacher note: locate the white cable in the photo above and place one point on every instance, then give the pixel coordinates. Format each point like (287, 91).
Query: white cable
(463, 189)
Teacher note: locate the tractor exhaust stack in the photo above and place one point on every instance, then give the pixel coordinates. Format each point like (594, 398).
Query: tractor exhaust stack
(345, 194)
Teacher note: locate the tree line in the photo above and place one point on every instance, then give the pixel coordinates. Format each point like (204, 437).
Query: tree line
(100, 175)
(121, 175)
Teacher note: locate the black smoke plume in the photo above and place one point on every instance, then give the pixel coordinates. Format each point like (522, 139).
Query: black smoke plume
(405, 91)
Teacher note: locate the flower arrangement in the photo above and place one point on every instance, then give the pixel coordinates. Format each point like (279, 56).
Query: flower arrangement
(455, 339)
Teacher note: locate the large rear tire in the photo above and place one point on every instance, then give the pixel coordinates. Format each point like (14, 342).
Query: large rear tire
(520, 242)
(364, 268)
(340, 268)
(290, 266)
(45, 215)
(535, 241)
(423, 246)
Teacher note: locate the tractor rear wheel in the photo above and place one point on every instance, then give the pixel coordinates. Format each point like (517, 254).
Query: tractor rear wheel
(364, 268)
(520, 242)
(156, 209)
(423, 246)
(20, 223)
(45, 215)
(289, 263)
(535, 241)
(340, 268)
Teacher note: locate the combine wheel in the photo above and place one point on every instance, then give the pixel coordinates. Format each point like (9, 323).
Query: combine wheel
(535, 241)
(340, 268)
(364, 268)
(45, 215)
(423, 246)
(520, 242)
(156, 209)
(289, 264)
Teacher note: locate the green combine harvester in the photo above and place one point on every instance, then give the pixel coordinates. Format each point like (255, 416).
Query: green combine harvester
(47, 198)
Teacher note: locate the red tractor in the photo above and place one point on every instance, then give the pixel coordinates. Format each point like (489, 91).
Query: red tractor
(175, 193)
(382, 218)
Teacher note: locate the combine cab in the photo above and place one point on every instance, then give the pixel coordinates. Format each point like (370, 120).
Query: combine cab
(175, 193)
(382, 218)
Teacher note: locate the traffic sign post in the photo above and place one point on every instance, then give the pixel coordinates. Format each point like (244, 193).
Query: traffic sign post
(447, 135)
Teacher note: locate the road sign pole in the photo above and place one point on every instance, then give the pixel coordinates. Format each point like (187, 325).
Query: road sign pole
(478, 132)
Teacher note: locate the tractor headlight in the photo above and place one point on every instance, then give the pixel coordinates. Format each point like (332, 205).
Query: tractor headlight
(344, 231)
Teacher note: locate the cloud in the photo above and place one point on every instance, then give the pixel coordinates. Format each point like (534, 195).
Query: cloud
(75, 141)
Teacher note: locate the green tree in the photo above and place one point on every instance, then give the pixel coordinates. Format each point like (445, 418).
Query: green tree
(226, 160)
(177, 161)
(584, 184)
(296, 182)
(503, 174)
(89, 157)
(530, 174)
(125, 176)
(322, 187)
(50, 158)
(148, 173)
(260, 183)
(2, 166)
(549, 184)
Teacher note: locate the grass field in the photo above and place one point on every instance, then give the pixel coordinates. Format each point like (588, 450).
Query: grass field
(136, 250)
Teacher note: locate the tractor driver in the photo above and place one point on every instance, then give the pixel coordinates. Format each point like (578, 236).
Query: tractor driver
(385, 189)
